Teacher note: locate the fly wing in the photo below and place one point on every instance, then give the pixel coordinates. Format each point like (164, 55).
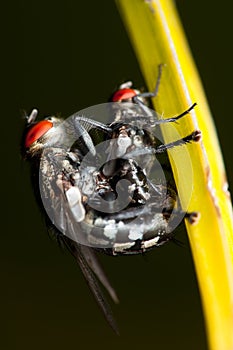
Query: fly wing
(63, 204)
(88, 263)
(95, 266)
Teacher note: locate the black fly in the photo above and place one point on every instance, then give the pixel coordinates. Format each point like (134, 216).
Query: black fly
(101, 185)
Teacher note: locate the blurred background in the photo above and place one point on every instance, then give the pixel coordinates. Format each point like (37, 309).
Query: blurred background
(61, 57)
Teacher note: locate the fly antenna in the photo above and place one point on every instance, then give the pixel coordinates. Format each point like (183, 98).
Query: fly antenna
(32, 116)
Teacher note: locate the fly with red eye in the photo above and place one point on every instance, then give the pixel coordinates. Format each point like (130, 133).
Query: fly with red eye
(73, 190)
(39, 139)
(125, 92)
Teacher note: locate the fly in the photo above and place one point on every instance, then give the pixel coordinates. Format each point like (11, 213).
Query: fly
(101, 185)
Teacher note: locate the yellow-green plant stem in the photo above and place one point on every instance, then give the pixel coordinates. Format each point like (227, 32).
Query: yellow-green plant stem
(157, 37)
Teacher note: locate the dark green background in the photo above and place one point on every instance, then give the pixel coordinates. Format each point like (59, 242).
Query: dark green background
(62, 56)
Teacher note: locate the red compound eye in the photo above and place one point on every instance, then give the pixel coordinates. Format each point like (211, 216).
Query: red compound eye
(36, 131)
(123, 94)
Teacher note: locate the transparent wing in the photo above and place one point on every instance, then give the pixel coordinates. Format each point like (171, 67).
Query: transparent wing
(64, 208)
(95, 266)
(88, 264)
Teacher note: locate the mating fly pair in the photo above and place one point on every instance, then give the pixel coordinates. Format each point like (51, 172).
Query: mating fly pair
(101, 185)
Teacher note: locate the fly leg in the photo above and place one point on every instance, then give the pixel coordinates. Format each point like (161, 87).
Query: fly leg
(152, 93)
(89, 124)
(174, 218)
(193, 137)
(174, 119)
(82, 126)
(192, 217)
(81, 133)
(137, 99)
